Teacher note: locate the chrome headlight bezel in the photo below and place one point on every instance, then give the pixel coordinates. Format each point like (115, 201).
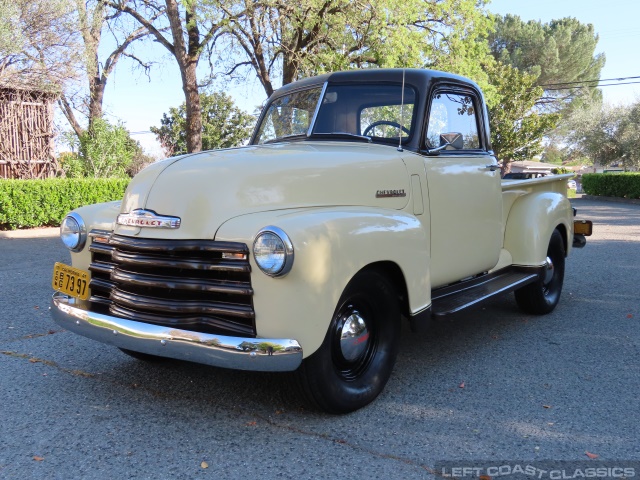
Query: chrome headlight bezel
(73, 232)
(281, 247)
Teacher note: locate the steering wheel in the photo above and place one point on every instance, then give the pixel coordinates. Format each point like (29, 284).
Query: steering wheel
(385, 122)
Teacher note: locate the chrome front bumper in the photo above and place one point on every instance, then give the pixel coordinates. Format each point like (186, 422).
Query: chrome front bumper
(258, 354)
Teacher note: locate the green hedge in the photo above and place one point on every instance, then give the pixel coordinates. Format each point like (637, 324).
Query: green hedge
(625, 185)
(39, 203)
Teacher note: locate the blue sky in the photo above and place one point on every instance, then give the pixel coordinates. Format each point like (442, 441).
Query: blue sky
(140, 103)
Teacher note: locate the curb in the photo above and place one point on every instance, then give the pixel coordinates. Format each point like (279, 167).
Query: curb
(31, 233)
(630, 201)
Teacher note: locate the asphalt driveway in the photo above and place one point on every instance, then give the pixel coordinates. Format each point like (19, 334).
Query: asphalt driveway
(492, 385)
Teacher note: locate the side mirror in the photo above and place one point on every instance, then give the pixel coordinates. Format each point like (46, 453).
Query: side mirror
(453, 140)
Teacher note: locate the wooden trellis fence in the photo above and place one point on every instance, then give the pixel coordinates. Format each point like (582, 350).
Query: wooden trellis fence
(26, 134)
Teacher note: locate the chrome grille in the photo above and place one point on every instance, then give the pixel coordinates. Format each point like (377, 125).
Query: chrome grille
(198, 285)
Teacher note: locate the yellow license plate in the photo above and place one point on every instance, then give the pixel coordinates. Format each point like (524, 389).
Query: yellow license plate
(583, 227)
(72, 281)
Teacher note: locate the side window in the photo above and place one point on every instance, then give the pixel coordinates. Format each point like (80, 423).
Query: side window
(453, 119)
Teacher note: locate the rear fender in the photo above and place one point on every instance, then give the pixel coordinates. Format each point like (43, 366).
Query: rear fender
(530, 223)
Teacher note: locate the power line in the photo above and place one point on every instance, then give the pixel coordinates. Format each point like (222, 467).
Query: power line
(588, 81)
(603, 85)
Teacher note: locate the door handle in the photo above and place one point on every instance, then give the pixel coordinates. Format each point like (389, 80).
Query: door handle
(493, 167)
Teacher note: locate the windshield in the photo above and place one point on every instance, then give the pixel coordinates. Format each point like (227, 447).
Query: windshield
(289, 115)
(378, 113)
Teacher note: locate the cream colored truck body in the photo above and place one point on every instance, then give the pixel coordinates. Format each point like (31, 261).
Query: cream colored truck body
(317, 198)
(423, 218)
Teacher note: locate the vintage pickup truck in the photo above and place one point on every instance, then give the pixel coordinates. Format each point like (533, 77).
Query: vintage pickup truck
(363, 197)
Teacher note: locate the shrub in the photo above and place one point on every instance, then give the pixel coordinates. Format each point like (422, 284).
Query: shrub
(38, 203)
(624, 185)
(104, 150)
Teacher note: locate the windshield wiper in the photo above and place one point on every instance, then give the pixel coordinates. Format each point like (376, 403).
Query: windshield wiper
(341, 134)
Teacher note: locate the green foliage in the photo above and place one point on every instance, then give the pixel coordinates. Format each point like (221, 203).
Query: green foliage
(9, 14)
(553, 154)
(560, 51)
(625, 185)
(284, 41)
(223, 125)
(561, 171)
(37, 43)
(606, 134)
(71, 164)
(517, 128)
(105, 151)
(37, 203)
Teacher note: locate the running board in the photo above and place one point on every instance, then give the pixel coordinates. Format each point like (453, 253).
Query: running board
(470, 293)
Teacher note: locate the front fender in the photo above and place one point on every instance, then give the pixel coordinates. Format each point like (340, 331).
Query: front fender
(330, 246)
(530, 223)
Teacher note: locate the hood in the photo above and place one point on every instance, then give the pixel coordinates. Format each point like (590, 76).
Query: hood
(209, 188)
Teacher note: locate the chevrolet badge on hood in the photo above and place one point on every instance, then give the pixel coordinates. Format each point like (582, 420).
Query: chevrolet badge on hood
(148, 218)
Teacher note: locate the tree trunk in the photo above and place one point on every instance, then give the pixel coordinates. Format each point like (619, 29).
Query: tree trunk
(96, 97)
(192, 100)
(506, 167)
(187, 56)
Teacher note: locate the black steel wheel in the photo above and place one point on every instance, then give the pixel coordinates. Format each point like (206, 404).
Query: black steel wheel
(354, 362)
(542, 296)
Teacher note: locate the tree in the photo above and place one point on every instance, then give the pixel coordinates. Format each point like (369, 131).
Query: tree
(283, 41)
(517, 127)
(92, 19)
(560, 55)
(607, 134)
(37, 43)
(191, 25)
(223, 125)
(630, 136)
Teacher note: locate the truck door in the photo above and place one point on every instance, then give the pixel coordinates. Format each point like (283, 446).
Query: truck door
(464, 188)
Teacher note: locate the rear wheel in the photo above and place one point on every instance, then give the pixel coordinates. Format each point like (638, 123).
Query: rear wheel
(354, 362)
(543, 295)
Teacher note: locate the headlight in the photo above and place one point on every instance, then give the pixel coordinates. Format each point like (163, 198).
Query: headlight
(73, 232)
(273, 251)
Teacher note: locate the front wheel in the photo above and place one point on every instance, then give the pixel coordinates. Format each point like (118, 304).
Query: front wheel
(354, 362)
(542, 296)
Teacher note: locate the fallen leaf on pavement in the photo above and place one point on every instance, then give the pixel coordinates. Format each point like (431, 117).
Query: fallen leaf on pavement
(591, 455)
(252, 424)
(462, 385)
(546, 406)
(38, 459)
(204, 465)
(630, 316)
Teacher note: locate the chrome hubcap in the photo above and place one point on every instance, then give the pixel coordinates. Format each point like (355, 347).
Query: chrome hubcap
(549, 270)
(354, 337)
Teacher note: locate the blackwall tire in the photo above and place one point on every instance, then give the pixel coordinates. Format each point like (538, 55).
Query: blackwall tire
(542, 296)
(356, 359)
